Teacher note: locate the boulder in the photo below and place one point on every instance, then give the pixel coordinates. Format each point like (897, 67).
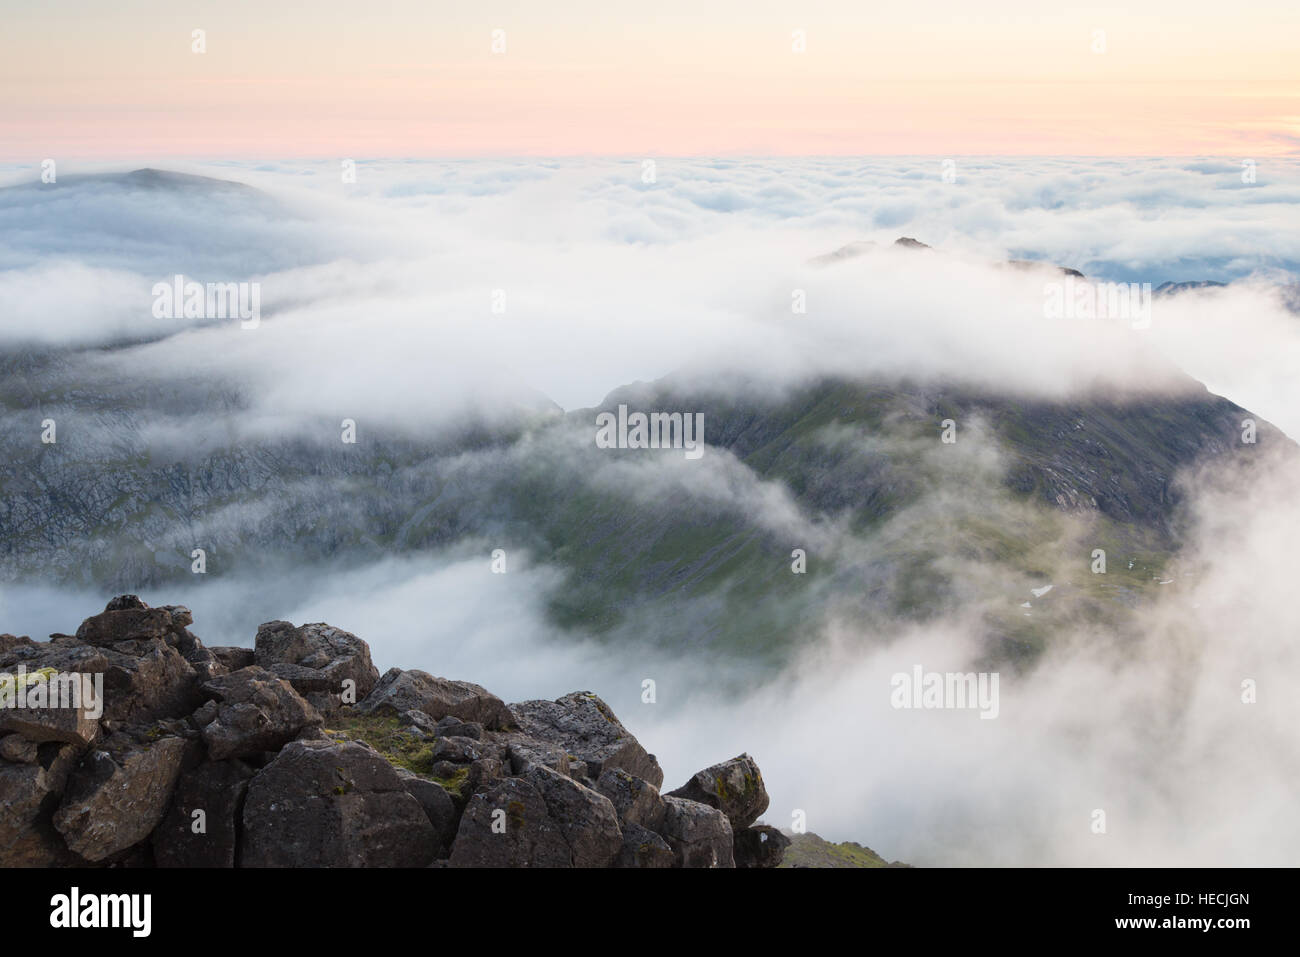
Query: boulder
(457, 750)
(202, 659)
(183, 839)
(760, 846)
(586, 818)
(119, 793)
(17, 749)
(318, 658)
(421, 722)
(509, 826)
(29, 796)
(452, 726)
(523, 753)
(399, 691)
(635, 801)
(541, 819)
(54, 707)
(699, 835)
(254, 711)
(233, 656)
(438, 806)
(588, 730)
(734, 787)
(127, 618)
(10, 642)
(144, 679)
(324, 804)
(643, 848)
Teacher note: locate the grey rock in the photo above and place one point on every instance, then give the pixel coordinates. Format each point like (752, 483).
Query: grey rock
(119, 794)
(509, 826)
(333, 805)
(438, 806)
(734, 787)
(456, 750)
(144, 679)
(129, 620)
(255, 711)
(29, 796)
(586, 818)
(399, 691)
(699, 835)
(49, 713)
(523, 753)
(635, 801)
(217, 789)
(588, 730)
(335, 656)
(16, 748)
(452, 726)
(543, 819)
(234, 657)
(643, 848)
(760, 846)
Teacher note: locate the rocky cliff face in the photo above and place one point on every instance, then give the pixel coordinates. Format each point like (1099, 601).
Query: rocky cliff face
(298, 753)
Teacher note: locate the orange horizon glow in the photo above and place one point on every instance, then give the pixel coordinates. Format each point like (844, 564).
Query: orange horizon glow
(418, 79)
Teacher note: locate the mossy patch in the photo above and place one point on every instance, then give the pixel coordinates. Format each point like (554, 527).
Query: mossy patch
(401, 744)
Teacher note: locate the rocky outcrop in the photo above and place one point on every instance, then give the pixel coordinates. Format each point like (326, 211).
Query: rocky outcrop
(119, 794)
(400, 691)
(296, 753)
(760, 846)
(322, 804)
(586, 728)
(734, 787)
(249, 712)
(331, 667)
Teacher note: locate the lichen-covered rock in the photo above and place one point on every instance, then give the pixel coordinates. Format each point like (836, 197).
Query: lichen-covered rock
(522, 753)
(254, 712)
(760, 846)
(216, 790)
(699, 835)
(158, 779)
(453, 727)
(54, 707)
(586, 818)
(588, 730)
(144, 679)
(541, 819)
(734, 787)
(635, 801)
(316, 659)
(509, 825)
(643, 848)
(119, 793)
(457, 750)
(322, 804)
(399, 691)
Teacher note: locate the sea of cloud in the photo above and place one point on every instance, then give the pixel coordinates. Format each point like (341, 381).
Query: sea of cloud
(378, 304)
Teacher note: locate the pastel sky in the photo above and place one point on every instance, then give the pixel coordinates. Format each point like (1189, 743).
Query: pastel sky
(289, 78)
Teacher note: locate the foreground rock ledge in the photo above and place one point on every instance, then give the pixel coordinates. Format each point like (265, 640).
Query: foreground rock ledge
(297, 753)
